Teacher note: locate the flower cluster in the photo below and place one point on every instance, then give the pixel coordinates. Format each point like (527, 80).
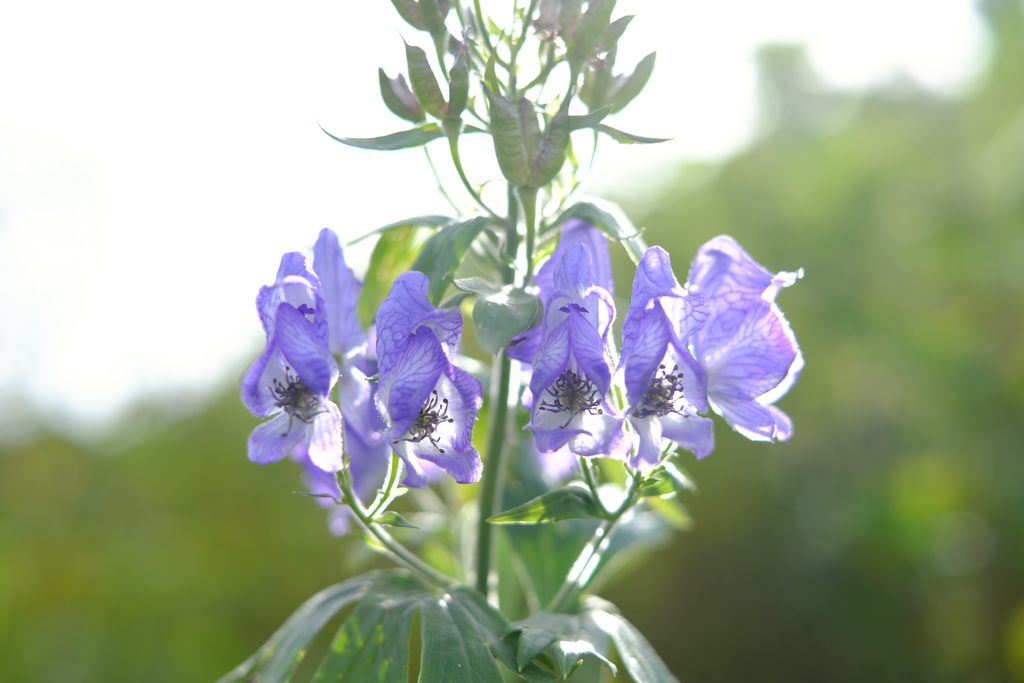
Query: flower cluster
(719, 344)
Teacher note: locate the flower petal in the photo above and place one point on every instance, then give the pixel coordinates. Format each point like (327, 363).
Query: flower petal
(405, 309)
(323, 438)
(341, 294)
(694, 433)
(276, 438)
(309, 356)
(418, 365)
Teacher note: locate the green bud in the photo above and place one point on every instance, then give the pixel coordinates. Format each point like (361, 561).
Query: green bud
(509, 145)
(399, 98)
(551, 155)
(591, 27)
(531, 128)
(629, 87)
(458, 84)
(611, 35)
(424, 84)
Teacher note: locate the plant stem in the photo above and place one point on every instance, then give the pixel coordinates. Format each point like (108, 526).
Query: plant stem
(395, 550)
(490, 494)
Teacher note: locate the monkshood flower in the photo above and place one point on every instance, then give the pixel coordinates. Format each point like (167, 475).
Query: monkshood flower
(368, 453)
(665, 384)
(293, 378)
(429, 404)
(746, 347)
(576, 231)
(572, 371)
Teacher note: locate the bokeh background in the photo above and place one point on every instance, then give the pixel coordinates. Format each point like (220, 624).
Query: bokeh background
(882, 543)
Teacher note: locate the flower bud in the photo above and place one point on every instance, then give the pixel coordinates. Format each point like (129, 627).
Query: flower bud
(424, 84)
(458, 84)
(550, 157)
(509, 143)
(399, 98)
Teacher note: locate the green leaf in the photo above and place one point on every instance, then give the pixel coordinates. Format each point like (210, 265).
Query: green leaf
(592, 26)
(279, 656)
(641, 661)
(424, 84)
(410, 11)
(611, 35)
(414, 137)
(665, 479)
(500, 314)
(550, 157)
(568, 503)
(610, 220)
(443, 252)
(589, 120)
(433, 16)
(627, 138)
(393, 254)
(427, 221)
(571, 637)
(673, 512)
(390, 518)
(634, 84)
(373, 643)
(399, 98)
(458, 84)
(453, 650)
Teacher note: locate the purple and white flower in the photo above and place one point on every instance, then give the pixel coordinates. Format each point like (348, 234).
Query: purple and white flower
(429, 404)
(665, 384)
(572, 371)
(576, 231)
(294, 375)
(746, 347)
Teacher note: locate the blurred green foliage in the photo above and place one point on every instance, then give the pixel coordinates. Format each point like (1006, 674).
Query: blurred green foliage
(882, 543)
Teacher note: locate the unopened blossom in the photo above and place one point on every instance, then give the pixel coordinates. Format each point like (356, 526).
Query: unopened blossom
(746, 347)
(292, 381)
(572, 371)
(576, 231)
(429, 404)
(665, 384)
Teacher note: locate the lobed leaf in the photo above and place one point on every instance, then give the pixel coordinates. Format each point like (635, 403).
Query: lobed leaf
(443, 252)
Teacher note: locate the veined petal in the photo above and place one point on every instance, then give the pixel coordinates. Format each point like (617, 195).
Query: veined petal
(309, 356)
(552, 360)
(749, 418)
(589, 351)
(404, 310)
(299, 286)
(655, 280)
(601, 434)
(323, 438)
(258, 380)
(694, 433)
(574, 272)
(418, 364)
(276, 438)
(356, 400)
(341, 294)
(756, 360)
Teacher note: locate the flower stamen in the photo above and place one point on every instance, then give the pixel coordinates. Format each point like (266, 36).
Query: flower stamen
(295, 398)
(433, 413)
(664, 394)
(573, 393)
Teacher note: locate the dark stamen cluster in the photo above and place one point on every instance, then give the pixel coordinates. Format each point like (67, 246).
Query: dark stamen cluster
(295, 398)
(663, 395)
(573, 393)
(433, 413)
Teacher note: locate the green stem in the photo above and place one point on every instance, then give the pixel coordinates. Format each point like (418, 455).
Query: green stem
(453, 146)
(386, 495)
(395, 550)
(490, 493)
(528, 197)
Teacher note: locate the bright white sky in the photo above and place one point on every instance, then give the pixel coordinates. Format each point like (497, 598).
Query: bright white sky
(156, 160)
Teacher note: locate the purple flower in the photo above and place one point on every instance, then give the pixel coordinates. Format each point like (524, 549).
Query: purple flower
(429, 404)
(293, 378)
(665, 385)
(572, 371)
(576, 231)
(368, 454)
(747, 348)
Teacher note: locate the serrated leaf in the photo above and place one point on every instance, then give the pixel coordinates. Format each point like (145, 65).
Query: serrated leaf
(414, 137)
(568, 503)
(500, 314)
(641, 661)
(610, 220)
(391, 518)
(627, 138)
(443, 252)
(280, 655)
(424, 84)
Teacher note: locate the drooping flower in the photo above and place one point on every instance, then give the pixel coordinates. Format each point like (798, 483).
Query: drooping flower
(665, 384)
(429, 404)
(572, 371)
(576, 231)
(747, 347)
(292, 379)
(367, 451)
